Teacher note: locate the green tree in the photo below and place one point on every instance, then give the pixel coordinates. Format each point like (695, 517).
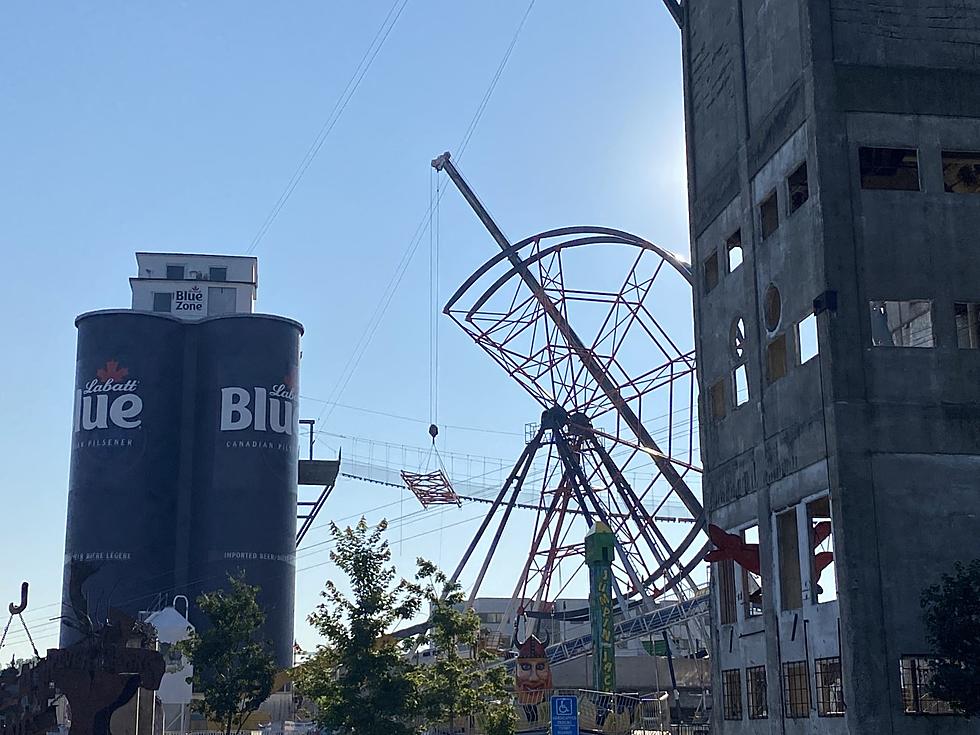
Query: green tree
(951, 611)
(359, 679)
(232, 670)
(457, 684)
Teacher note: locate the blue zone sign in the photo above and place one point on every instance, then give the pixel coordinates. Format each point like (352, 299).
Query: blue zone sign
(564, 716)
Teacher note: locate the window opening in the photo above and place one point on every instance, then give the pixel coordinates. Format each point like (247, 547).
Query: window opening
(889, 168)
(752, 577)
(718, 403)
(221, 300)
(917, 673)
(769, 213)
(725, 569)
(738, 339)
(756, 690)
(776, 358)
(734, 247)
(901, 324)
(790, 576)
(711, 274)
(823, 563)
(162, 302)
(216, 273)
(731, 687)
(830, 687)
(772, 307)
(807, 332)
(967, 325)
(796, 689)
(740, 384)
(799, 188)
(175, 273)
(961, 172)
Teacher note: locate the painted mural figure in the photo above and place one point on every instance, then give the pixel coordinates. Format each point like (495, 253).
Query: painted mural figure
(532, 676)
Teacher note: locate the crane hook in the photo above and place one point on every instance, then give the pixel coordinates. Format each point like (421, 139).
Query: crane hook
(18, 609)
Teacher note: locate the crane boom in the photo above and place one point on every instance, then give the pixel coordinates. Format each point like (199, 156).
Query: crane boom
(587, 357)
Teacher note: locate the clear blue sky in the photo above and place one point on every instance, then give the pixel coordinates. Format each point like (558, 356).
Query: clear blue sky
(131, 126)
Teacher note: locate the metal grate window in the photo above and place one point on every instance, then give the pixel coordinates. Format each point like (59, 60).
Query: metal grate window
(731, 690)
(917, 672)
(830, 687)
(756, 690)
(796, 689)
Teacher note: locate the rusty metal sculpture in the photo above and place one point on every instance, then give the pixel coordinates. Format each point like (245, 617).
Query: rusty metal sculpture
(98, 675)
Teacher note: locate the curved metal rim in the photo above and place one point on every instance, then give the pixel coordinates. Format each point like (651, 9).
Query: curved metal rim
(601, 235)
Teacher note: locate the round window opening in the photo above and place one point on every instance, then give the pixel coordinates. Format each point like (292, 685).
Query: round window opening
(738, 339)
(773, 307)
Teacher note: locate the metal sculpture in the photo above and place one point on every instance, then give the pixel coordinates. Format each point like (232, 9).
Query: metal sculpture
(589, 348)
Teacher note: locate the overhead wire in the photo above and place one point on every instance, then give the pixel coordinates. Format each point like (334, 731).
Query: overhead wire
(370, 54)
(381, 309)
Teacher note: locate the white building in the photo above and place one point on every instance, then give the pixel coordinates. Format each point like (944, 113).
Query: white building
(192, 286)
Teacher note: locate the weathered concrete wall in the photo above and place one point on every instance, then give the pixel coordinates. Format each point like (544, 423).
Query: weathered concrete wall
(892, 434)
(924, 33)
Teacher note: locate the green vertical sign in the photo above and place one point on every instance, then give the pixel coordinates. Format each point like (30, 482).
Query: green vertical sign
(599, 552)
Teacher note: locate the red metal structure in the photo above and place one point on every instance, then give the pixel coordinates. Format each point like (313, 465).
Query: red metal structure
(431, 488)
(574, 315)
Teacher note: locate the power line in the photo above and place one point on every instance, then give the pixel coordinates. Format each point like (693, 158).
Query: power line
(370, 54)
(350, 366)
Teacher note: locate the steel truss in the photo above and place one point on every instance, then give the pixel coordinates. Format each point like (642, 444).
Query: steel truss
(593, 456)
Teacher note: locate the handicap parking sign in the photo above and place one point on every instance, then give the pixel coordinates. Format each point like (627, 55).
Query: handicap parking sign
(564, 715)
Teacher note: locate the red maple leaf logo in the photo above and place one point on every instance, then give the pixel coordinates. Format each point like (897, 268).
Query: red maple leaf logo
(291, 379)
(111, 371)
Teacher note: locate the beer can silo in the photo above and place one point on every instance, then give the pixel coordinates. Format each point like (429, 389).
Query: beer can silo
(245, 468)
(124, 463)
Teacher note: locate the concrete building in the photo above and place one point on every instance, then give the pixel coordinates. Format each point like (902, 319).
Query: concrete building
(191, 286)
(833, 159)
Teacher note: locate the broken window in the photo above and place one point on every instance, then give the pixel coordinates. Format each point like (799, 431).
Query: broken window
(807, 332)
(772, 307)
(830, 687)
(731, 693)
(740, 385)
(796, 689)
(734, 247)
(901, 324)
(751, 579)
(738, 338)
(917, 673)
(711, 272)
(756, 692)
(889, 168)
(961, 172)
(799, 188)
(725, 571)
(790, 578)
(823, 567)
(776, 358)
(769, 214)
(719, 404)
(967, 325)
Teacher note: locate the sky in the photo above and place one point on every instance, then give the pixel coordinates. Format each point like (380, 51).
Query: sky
(129, 126)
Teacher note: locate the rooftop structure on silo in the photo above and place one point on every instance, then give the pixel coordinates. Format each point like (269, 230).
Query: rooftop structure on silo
(193, 286)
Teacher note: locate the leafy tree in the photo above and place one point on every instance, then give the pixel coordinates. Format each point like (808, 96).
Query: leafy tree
(359, 679)
(456, 686)
(952, 618)
(232, 671)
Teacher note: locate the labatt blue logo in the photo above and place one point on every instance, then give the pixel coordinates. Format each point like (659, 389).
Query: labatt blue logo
(108, 400)
(258, 409)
